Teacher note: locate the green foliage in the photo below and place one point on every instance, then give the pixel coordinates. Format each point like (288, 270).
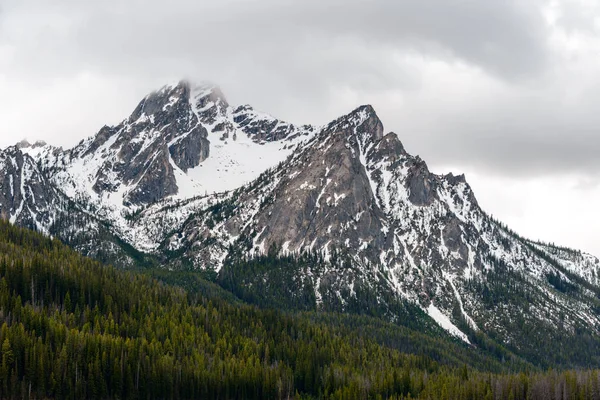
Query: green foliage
(560, 284)
(288, 282)
(504, 290)
(73, 328)
(272, 281)
(198, 283)
(221, 211)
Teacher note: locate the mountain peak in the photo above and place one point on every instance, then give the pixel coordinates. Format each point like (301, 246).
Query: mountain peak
(23, 144)
(206, 95)
(169, 87)
(163, 100)
(199, 183)
(370, 124)
(361, 126)
(362, 120)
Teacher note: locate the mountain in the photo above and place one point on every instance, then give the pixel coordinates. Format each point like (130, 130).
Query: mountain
(73, 328)
(338, 217)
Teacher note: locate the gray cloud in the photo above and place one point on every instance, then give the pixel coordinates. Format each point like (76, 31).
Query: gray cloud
(577, 16)
(506, 88)
(307, 61)
(526, 133)
(298, 60)
(505, 37)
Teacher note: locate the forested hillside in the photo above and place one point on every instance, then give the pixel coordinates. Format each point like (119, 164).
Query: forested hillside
(316, 220)
(73, 328)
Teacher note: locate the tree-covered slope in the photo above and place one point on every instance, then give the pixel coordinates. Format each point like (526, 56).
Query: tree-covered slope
(358, 224)
(73, 328)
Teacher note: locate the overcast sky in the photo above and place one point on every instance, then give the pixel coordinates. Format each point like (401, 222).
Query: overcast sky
(505, 91)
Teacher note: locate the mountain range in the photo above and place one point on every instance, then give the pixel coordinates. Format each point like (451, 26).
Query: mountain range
(338, 217)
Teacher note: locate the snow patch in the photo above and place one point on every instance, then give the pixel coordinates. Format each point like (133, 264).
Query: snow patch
(442, 320)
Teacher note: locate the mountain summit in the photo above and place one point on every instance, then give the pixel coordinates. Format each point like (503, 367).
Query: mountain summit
(350, 220)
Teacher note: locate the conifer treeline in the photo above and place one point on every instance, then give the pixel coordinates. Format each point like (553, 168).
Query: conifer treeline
(73, 328)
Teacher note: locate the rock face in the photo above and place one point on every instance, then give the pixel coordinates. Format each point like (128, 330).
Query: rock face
(197, 183)
(147, 157)
(191, 150)
(314, 206)
(27, 197)
(161, 134)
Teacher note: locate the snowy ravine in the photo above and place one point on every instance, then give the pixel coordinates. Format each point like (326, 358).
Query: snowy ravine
(187, 177)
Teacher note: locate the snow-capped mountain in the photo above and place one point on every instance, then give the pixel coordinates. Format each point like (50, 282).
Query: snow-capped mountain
(197, 183)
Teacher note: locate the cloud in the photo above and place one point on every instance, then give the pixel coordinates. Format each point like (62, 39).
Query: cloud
(290, 58)
(308, 62)
(504, 37)
(507, 88)
(555, 209)
(548, 126)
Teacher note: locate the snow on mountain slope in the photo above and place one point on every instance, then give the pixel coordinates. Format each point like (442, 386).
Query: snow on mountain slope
(177, 128)
(578, 263)
(181, 142)
(233, 163)
(26, 195)
(196, 182)
(354, 189)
